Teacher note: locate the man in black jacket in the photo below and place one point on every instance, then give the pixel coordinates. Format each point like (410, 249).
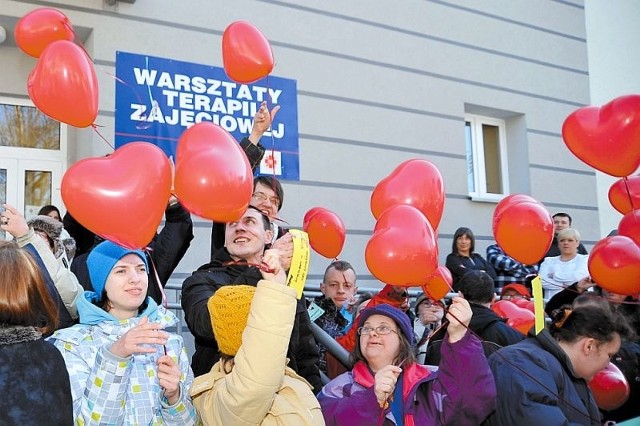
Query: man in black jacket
(478, 288)
(238, 263)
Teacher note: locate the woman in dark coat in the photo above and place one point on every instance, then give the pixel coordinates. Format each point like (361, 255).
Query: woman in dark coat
(463, 258)
(33, 377)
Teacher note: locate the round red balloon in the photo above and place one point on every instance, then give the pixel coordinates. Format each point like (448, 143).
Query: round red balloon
(629, 226)
(610, 388)
(520, 222)
(624, 194)
(614, 263)
(118, 199)
(326, 233)
(416, 183)
(403, 250)
(213, 177)
(439, 284)
(510, 200)
(64, 85)
(307, 216)
(40, 27)
(518, 318)
(246, 53)
(607, 138)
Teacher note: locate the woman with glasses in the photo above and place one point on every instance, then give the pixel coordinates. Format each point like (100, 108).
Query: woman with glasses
(429, 315)
(123, 367)
(387, 386)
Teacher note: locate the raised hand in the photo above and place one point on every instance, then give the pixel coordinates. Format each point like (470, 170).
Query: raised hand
(285, 245)
(459, 316)
(261, 122)
(12, 221)
(141, 339)
(271, 259)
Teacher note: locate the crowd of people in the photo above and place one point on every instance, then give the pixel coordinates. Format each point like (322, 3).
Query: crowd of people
(84, 331)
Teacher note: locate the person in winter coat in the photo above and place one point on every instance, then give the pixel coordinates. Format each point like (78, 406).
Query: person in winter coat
(251, 384)
(124, 368)
(41, 236)
(543, 379)
(238, 263)
(33, 379)
(387, 386)
(463, 257)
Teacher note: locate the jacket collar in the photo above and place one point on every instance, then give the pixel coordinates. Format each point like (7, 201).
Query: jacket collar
(412, 375)
(13, 334)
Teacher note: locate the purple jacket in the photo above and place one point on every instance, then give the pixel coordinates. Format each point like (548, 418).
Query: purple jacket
(462, 392)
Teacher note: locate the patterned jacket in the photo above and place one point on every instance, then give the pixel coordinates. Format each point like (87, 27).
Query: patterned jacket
(107, 389)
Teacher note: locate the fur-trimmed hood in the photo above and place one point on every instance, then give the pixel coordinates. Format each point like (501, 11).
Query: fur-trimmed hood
(62, 241)
(12, 334)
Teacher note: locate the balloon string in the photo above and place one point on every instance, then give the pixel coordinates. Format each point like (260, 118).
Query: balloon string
(165, 303)
(261, 266)
(95, 128)
(524, 372)
(626, 187)
(146, 119)
(624, 302)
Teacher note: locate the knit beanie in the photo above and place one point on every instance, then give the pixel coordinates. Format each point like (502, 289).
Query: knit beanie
(103, 258)
(229, 312)
(401, 319)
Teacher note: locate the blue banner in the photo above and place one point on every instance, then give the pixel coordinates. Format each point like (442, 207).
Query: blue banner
(157, 99)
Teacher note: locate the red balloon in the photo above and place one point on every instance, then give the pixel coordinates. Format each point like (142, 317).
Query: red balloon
(213, 177)
(607, 138)
(610, 388)
(510, 200)
(524, 221)
(326, 233)
(64, 85)
(518, 318)
(246, 53)
(403, 250)
(416, 183)
(118, 199)
(439, 284)
(625, 198)
(629, 226)
(307, 216)
(614, 263)
(40, 27)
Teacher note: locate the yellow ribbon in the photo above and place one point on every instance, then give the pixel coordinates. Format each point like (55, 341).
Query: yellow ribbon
(538, 303)
(299, 262)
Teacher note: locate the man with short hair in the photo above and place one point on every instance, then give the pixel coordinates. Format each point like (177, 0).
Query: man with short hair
(560, 221)
(331, 311)
(239, 262)
(477, 287)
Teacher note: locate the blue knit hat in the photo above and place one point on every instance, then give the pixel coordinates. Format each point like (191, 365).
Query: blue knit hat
(101, 261)
(395, 314)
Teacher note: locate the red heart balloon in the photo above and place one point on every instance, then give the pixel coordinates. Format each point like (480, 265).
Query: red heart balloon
(246, 53)
(213, 177)
(610, 388)
(40, 27)
(629, 226)
(326, 233)
(614, 263)
(416, 183)
(624, 197)
(64, 85)
(518, 318)
(402, 250)
(525, 304)
(118, 199)
(607, 138)
(510, 200)
(524, 221)
(439, 284)
(307, 216)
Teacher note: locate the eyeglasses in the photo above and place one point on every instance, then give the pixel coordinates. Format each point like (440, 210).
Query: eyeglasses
(261, 196)
(381, 330)
(512, 296)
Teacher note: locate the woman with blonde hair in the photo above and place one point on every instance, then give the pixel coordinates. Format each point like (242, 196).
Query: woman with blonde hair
(561, 271)
(33, 378)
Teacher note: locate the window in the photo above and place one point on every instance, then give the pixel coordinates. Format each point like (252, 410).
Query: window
(486, 145)
(32, 157)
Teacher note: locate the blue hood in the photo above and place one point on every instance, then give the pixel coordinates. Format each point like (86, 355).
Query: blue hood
(90, 314)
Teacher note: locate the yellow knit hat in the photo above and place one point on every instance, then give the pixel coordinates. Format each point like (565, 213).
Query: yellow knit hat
(229, 311)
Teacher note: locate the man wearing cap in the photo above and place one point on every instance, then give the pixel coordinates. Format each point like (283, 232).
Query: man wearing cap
(477, 288)
(239, 262)
(515, 291)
